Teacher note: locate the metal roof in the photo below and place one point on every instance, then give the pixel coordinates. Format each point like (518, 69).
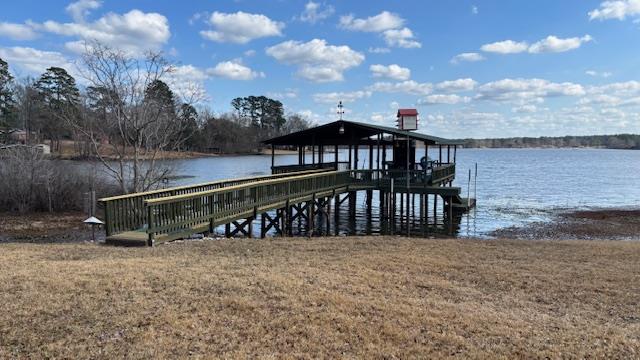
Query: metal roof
(408, 112)
(343, 132)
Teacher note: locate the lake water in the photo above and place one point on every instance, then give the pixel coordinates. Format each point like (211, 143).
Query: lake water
(514, 186)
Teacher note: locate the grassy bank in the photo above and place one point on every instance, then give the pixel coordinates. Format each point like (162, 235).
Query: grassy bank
(331, 297)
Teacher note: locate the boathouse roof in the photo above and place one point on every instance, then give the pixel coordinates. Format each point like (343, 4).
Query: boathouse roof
(343, 132)
(407, 112)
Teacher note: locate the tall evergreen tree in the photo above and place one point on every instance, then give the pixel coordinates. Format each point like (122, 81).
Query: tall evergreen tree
(59, 98)
(7, 101)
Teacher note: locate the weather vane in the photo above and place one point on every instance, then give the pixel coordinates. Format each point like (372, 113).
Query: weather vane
(340, 109)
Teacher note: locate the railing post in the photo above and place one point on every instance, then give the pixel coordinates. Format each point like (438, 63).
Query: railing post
(108, 227)
(211, 211)
(150, 226)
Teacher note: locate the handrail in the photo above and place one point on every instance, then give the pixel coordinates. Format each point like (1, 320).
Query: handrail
(177, 188)
(180, 213)
(443, 172)
(127, 213)
(279, 169)
(234, 187)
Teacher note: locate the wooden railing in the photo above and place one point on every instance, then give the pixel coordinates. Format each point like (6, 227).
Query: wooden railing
(127, 212)
(443, 173)
(282, 169)
(189, 213)
(431, 177)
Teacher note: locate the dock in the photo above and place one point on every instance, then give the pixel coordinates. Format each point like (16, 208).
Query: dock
(299, 191)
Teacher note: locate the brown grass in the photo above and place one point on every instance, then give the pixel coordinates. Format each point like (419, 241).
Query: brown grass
(377, 297)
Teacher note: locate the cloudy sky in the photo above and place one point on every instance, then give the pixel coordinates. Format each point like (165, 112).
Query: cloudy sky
(472, 68)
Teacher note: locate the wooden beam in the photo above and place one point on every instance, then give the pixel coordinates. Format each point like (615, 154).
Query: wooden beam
(273, 156)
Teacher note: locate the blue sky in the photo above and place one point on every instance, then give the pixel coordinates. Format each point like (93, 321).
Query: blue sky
(472, 68)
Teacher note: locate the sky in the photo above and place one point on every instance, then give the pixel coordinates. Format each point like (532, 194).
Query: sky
(471, 68)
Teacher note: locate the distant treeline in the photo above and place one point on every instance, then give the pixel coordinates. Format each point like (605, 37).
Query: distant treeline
(621, 141)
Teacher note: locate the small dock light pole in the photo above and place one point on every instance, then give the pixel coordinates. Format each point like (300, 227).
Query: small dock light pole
(93, 221)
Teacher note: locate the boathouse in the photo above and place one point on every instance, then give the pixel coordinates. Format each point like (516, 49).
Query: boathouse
(337, 161)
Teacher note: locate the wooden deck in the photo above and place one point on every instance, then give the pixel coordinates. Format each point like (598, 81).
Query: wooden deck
(156, 217)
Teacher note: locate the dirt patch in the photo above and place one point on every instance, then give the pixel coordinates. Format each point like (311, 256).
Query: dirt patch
(45, 228)
(602, 224)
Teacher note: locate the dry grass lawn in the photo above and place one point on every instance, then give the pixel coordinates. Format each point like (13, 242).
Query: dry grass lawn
(378, 297)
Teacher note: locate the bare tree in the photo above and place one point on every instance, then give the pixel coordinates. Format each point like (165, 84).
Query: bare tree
(128, 126)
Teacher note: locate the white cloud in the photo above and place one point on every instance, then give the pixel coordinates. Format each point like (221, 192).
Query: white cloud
(379, 50)
(474, 10)
(618, 9)
(466, 84)
(620, 89)
(378, 23)
(345, 97)
(316, 60)
(241, 27)
(505, 47)
(250, 53)
(187, 82)
(314, 12)
(408, 87)
(555, 44)
(286, 94)
(525, 109)
(604, 74)
(393, 71)
(602, 99)
(134, 32)
(547, 45)
(80, 9)
(450, 99)
(234, 70)
(467, 57)
(17, 31)
(527, 90)
(401, 38)
(34, 61)
(388, 24)
(378, 117)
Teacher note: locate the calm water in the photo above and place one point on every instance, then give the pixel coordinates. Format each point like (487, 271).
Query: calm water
(514, 186)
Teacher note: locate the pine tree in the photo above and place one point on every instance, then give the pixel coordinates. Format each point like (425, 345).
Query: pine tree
(7, 101)
(59, 97)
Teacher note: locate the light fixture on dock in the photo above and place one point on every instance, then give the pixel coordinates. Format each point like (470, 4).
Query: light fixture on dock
(93, 221)
(341, 129)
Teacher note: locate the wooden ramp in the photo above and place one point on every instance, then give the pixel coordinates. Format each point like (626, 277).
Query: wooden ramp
(461, 204)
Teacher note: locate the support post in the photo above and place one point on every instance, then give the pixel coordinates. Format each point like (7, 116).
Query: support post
(355, 157)
(311, 216)
(273, 157)
(384, 156)
(352, 204)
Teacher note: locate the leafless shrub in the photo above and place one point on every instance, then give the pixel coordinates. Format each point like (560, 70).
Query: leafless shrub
(31, 182)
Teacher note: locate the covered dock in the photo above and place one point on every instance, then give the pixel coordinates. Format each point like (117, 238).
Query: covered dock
(310, 191)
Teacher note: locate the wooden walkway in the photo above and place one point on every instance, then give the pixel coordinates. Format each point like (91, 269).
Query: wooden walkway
(158, 216)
